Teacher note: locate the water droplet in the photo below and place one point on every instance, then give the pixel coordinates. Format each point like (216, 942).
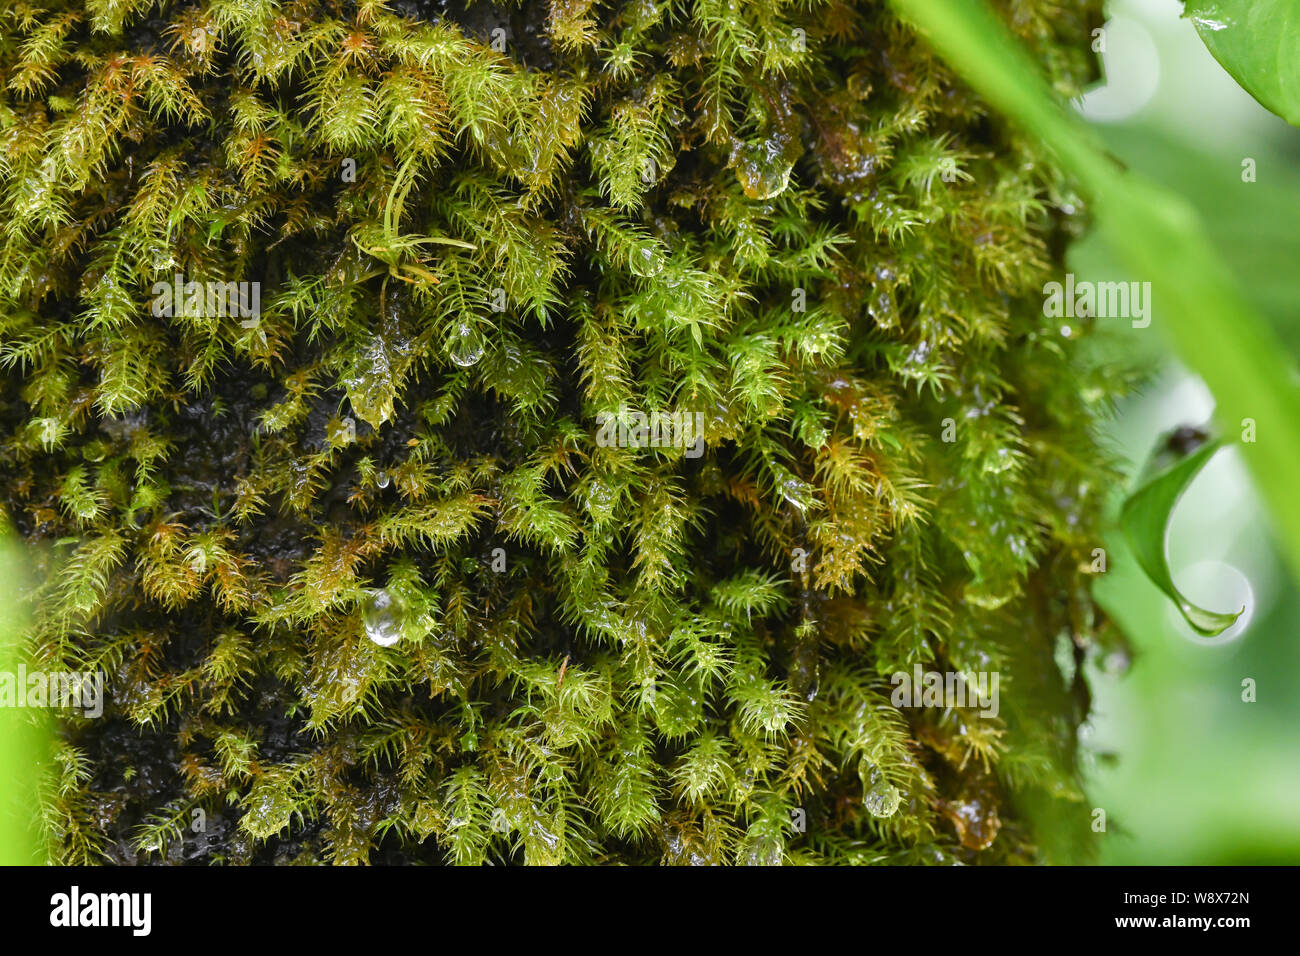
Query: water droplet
(798, 492)
(1000, 461)
(383, 618)
(762, 850)
(382, 479)
(1116, 662)
(805, 670)
(975, 817)
(763, 169)
(1018, 547)
(919, 355)
(881, 308)
(645, 261)
(601, 499)
(465, 346)
(986, 599)
(881, 798)
(373, 378)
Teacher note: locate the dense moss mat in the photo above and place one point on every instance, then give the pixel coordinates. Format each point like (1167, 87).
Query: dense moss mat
(476, 232)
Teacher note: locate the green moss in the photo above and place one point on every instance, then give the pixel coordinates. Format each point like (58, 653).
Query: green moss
(784, 221)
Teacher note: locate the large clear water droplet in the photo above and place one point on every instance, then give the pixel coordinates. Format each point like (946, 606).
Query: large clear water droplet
(466, 345)
(763, 170)
(383, 616)
(881, 798)
(645, 261)
(371, 383)
(377, 367)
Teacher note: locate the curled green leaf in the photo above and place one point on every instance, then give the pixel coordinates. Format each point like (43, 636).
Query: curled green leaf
(1256, 41)
(1145, 520)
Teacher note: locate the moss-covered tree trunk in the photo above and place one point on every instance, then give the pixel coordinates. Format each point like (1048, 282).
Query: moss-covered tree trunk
(619, 396)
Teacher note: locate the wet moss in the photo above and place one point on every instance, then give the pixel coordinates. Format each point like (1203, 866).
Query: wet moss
(475, 251)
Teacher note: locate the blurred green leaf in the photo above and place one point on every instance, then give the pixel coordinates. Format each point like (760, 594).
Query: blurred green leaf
(21, 741)
(1257, 41)
(1211, 325)
(1145, 520)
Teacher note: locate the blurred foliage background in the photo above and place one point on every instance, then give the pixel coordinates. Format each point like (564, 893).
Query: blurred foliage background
(1188, 772)
(22, 731)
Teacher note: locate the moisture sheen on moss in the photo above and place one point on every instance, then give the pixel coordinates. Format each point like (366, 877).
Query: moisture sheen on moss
(618, 395)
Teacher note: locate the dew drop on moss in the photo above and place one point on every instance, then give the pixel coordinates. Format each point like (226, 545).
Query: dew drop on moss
(763, 171)
(983, 594)
(805, 670)
(370, 385)
(465, 346)
(266, 817)
(998, 462)
(881, 798)
(1116, 663)
(763, 850)
(601, 500)
(645, 261)
(975, 818)
(882, 310)
(382, 617)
